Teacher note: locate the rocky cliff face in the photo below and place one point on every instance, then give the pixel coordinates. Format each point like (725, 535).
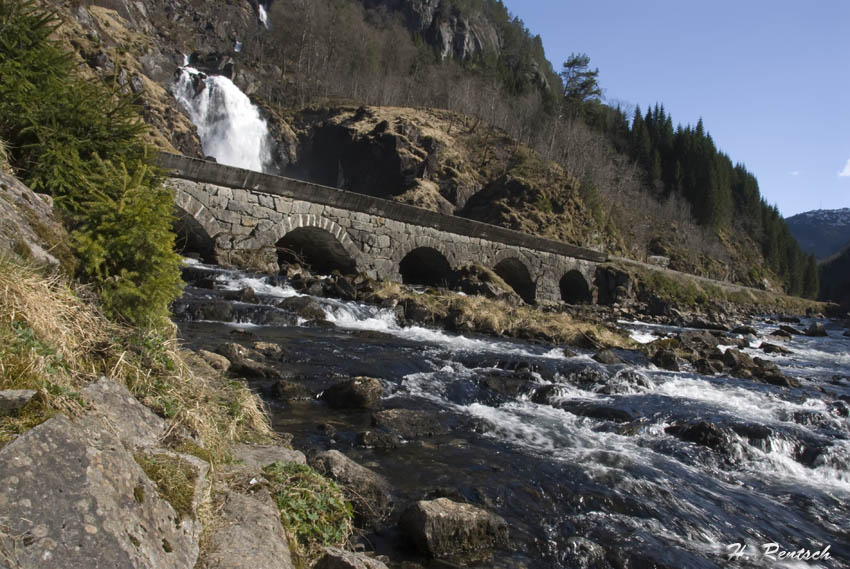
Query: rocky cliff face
(142, 44)
(29, 228)
(453, 34)
(440, 161)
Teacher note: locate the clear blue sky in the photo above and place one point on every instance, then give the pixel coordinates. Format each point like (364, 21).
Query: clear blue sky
(771, 79)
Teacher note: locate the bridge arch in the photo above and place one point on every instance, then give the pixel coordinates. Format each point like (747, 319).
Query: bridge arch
(196, 228)
(575, 288)
(426, 266)
(514, 271)
(317, 242)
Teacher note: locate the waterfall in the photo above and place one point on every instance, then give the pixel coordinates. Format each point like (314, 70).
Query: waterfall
(264, 17)
(229, 125)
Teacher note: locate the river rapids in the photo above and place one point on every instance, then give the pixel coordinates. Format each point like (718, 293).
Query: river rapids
(577, 456)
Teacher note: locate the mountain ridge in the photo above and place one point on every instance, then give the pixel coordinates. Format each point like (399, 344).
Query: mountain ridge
(823, 232)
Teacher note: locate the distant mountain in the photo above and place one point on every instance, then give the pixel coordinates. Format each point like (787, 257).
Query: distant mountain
(822, 231)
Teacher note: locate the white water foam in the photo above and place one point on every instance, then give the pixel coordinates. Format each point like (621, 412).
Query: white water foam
(264, 16)
(363, 317)
(229, 125)
(258, 284)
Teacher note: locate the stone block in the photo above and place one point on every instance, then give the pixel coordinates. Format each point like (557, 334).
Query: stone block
(282, 205)
(227, 216)
(334, 558)
(443, 528)
(266, 200)
(299, 207)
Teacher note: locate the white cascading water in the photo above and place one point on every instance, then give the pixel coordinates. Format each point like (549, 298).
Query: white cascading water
(229, 125)
(264, 16)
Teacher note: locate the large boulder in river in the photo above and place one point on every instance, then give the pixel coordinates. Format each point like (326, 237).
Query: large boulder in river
(248, 362)
(442, 528)
(702, 433)
(699, 340)
(816, 330)
(368, 492)
(357, 393)
(607, 357)
(409, 424)
(305, 307)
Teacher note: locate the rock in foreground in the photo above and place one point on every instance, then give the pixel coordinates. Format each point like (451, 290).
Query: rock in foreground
(339, 559)
(75, 498)
(251, 536)
(369, 493)
(442, 528)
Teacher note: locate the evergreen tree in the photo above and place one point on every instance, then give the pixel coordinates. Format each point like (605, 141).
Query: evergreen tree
(58, 126)
(580, 83)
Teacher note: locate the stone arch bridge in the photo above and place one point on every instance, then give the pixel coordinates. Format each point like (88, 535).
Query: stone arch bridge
(250, 220)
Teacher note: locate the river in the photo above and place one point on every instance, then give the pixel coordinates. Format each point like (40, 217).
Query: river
(578, 457)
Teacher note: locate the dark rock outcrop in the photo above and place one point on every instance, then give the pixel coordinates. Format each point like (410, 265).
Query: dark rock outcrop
(702, 433)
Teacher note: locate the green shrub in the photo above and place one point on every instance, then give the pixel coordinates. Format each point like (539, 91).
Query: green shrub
(57, 126)
(312, 507)
(125, 243)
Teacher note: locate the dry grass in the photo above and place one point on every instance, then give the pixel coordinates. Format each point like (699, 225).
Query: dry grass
(686, 290)
(500, 318)
(4, 157)
(54, 341)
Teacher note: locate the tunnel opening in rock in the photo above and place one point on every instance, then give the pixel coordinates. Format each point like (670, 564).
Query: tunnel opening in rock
(192, 239)
(426, 266)
(574, 288)
(316, 249)
(516, 274)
